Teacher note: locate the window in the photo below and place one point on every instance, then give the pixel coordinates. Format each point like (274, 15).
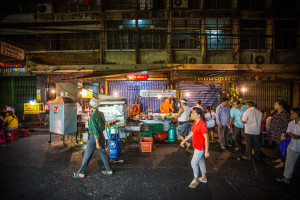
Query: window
(117, 24)
(186, 39)
(120, 5)
(252, 4)
(286, 34)
(218, 33)
(218, 4)
(121, 40)
(152, 23)
(253, 34)
(152, 39)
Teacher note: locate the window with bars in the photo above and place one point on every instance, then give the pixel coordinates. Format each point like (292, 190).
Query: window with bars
(218, 4)
(252, 34)
(121, 40)
(252, 4)
(286, 34)
(218, 33)
(186, 39)
(152, 39)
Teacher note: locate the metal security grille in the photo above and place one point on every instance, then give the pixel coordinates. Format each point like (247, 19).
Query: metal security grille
(17, 91)
(266, 93)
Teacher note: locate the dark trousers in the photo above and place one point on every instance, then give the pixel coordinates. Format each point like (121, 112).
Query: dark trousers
(90, 148)
(223, 135)
(238, 132)
(252, 142)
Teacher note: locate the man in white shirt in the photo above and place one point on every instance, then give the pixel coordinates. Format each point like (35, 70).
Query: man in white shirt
(198, 105)
(252, 120)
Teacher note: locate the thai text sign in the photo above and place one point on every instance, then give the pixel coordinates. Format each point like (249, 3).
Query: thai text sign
(137, 77)
(217, 79)
(13, 72)
(31, 109)
(38, 94)
(11, 64)
(159, 93)
(11, 51)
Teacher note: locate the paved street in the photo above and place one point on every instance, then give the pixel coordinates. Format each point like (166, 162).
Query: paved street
(32, 169)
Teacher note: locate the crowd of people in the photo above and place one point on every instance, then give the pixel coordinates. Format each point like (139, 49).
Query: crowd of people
(245, 121)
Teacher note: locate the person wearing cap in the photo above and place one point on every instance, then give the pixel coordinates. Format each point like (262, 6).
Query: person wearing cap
(183, 121)
(166, 106)
(96, 140)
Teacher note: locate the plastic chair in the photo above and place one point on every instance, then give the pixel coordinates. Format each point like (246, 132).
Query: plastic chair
(230, 136)
(24, 132)
(2, 137)
(263, 134)
(13, 134)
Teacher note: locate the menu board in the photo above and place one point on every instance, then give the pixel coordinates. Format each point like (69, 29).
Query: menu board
(31, 109)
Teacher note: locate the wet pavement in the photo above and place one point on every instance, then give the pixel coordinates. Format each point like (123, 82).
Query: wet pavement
(33, 169)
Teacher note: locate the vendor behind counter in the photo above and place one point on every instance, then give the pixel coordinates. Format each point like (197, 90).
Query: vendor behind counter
(165, 106)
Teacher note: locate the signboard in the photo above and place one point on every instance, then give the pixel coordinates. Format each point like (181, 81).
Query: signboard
(137, 77)
(38, 94)
(11, 64)
(159, 93)
(13, 72)
(31, 109)
(11, 51)
(87, 93)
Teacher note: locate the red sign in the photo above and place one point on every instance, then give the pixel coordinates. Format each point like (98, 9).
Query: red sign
(137, 77)
(11, 64)
(55, 109)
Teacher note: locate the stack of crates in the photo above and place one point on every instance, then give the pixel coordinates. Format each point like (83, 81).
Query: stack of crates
(153, 129)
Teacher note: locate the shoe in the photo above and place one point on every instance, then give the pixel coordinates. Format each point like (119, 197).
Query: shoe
(201, 180)
(76, 175)
(193, 184)
(281, 180)
(228, 145)
(237, 148)
(223, 148)
(245, 158)
(106, 173)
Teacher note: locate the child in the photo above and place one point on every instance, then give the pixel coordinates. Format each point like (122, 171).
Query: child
(210, 121)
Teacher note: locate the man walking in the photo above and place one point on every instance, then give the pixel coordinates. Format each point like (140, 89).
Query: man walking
(223, 118)
(252, 120)
(236, 114)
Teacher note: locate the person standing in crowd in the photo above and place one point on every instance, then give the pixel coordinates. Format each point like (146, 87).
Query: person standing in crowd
(278, 126)
(8, 108)
(198, 105)
(236, 114)
(268, 120)
(166, 106)
(252, 120)
(183, 121)
(10, 121)
(96, 140)
(174, 105)
(201, 146)
(210, 121)
(263, 121)
(223, 119)
(293, 149)
(47, 107)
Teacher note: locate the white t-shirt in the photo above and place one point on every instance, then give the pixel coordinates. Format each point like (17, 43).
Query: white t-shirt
(184, 117)
(210, 119)
(253, 118)
(295, 129)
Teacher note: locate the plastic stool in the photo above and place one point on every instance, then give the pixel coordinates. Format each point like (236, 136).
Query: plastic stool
(13, 134)
(2, 137)
(24, 132)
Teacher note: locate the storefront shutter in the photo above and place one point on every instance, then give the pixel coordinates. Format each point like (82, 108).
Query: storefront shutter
(208, 93)
(130, 91)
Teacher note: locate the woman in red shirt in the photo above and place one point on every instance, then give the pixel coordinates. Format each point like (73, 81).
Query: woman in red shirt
(200, 144)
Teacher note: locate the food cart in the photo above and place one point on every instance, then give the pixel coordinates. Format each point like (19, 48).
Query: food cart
(63, 116)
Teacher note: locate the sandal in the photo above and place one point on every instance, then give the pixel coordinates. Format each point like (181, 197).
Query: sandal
(281, 180)
(202, 180)
(76, 175)
(106, 173)
(276, 161)
(279, 166)
(194, 184)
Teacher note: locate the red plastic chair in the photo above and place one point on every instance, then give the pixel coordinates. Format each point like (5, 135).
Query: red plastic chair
(12, 135)
(2, 137)
(24, 132)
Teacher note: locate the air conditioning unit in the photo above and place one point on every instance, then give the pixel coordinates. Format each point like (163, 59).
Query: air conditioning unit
(194, 60)
(180, 4)
(260, 58)
(45, 8)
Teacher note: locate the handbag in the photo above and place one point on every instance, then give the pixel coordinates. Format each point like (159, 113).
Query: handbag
(283, 145)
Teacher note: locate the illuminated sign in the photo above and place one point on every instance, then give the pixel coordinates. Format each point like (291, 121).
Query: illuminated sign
(87, 93)
(137, 77)
(11, 51)
(13, 72)
(159, 93)
(11, 64)
(31, 109)
(38, 94)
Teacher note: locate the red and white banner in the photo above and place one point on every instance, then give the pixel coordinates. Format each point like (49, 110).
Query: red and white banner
(11, 51)
(137, 77)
